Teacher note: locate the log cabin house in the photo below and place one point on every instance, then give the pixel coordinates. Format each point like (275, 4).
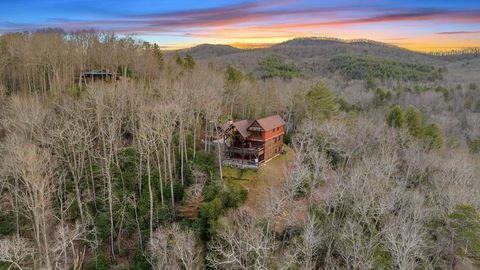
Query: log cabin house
(253, 142)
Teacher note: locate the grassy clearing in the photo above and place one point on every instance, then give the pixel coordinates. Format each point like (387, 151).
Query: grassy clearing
(236, 174)
(269, 178)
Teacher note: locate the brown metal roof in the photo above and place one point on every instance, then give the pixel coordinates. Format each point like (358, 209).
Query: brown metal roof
(270, 122)
(267, 123)
(226, 126)
(242, 126)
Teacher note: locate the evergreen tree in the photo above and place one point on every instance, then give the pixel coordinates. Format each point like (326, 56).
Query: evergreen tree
(320, 102)
(251, 77)
(433, 136)
(413, 118)
(234, 76)
(158, 54)
(396, 117)
(474, 146)
(465, 226)
(274, 66)
(179, 60)
(189, 62)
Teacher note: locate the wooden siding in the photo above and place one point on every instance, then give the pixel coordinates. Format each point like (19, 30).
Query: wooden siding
(273, 147)
(273, 133)
(267, 135)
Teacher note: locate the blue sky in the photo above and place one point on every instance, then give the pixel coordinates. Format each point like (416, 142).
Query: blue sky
(418, 25)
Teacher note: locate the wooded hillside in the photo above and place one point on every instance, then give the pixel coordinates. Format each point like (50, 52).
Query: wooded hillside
(114, 174)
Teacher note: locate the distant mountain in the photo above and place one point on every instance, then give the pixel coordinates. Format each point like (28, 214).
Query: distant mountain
(206, 51)
(312, 55)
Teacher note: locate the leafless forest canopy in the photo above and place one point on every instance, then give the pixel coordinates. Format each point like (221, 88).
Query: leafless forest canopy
(383, 167)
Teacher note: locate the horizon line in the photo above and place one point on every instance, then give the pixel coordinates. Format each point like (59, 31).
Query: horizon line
(260, 45)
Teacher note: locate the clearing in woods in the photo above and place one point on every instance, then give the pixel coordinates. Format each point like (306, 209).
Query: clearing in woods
(261, 183)
(269, 179)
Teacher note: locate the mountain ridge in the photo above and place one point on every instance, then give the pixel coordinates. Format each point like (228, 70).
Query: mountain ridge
(313, 55)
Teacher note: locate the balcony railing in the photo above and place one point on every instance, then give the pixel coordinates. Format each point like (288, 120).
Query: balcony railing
(256, 151)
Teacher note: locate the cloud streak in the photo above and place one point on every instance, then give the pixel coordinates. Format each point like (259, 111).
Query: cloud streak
(256, 14)
(262, 22)
(458, 32)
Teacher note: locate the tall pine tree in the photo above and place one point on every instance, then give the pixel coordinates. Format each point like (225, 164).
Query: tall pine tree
(320, 102)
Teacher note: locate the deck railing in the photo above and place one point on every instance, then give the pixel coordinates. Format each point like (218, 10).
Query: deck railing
(241, 163)
(245, 151)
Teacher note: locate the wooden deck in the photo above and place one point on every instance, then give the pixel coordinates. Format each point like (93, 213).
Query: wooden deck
(241, 163)
(256, 151)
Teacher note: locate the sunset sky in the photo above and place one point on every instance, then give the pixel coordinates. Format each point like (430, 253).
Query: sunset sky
(425, 25)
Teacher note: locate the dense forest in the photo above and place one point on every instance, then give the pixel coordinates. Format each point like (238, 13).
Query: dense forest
(115, 174)
(358, 67)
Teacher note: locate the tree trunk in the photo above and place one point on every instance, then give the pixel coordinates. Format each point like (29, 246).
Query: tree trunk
(150, 194)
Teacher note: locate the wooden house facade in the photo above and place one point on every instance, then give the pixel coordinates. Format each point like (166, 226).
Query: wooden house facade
(254, 141)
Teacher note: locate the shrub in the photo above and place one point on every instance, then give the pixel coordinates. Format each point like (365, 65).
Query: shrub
(140, 262)
(218, 197)
(99, 262)
(413, 120)
(395, 117)
(102, 223)
(125, 170)
(433, 136)
(287, 138)
(209, 213)
(7, 224)
(205, 161)
(474, 146)
(381, 97)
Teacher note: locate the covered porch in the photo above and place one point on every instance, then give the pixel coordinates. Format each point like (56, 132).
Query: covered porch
(245, 157)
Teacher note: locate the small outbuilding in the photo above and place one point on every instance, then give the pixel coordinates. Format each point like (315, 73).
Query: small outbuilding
(98, 75)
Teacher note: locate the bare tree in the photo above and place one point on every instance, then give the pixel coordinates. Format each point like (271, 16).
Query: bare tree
(172, 247)
(72, 140)
(242, 244)
(34, 168)
(17, 252)
(146, 138)
(109, 106)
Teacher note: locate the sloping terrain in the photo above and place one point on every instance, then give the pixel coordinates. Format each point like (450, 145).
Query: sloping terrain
(313, 55)
(206, 51)
(262, 185)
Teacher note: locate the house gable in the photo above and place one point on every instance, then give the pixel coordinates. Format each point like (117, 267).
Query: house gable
(270, 123)
(256, 127)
